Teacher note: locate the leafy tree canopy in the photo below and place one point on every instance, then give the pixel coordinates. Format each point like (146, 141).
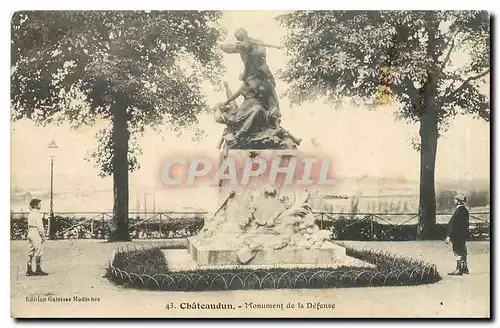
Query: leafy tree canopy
(375, 56)
(77, 66)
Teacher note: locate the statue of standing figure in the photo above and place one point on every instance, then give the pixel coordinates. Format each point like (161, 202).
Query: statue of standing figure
(253, 54)
(256, 123)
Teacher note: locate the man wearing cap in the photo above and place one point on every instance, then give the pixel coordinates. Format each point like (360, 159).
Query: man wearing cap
(458, 233)
(36, 238)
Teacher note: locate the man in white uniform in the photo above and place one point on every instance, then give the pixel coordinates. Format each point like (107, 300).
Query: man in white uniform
(36, 238)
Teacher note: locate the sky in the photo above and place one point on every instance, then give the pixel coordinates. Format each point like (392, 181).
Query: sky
(361, 142)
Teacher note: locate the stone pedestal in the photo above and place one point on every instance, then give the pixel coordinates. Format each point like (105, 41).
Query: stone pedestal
(215, 254)
(264, 223)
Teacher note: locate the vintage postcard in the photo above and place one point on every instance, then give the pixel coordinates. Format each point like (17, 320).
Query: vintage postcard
(250, 164)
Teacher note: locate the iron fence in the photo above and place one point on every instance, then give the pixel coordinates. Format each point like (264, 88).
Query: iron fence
(394, 226)
(179, 224)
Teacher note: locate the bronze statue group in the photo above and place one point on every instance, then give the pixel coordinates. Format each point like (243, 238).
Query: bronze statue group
(255, 124)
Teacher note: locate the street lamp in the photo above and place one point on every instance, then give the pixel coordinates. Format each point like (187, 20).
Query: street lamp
(52, 153)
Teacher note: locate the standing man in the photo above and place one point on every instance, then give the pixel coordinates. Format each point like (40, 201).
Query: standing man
(458, 233)
(36, 238)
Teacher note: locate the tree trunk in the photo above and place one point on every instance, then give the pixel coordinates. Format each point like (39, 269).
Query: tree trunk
(428, 149)
(428, 136)
(120, 139)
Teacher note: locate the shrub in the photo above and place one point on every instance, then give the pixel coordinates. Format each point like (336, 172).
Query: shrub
(147, 269)
(141, 261)
(171, 227)
(343, 228)
(18, 228)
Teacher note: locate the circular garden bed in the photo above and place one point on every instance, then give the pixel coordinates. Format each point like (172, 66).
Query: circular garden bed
(147, 268)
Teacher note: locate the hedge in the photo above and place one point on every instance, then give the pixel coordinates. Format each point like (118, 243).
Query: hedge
(147, 268)
(169, 228)
(364, 230)
(342, 228)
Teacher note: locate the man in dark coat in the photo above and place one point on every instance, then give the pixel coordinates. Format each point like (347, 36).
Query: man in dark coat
(458, 233)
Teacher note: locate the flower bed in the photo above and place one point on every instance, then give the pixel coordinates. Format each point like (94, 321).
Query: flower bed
(147, 268)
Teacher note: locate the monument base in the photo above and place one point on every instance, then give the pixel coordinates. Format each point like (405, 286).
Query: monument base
(264, 222)
(205, 253)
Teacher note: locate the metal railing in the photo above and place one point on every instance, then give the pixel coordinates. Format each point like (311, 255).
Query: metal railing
(323, 215)
(97, 224)
(478, 221)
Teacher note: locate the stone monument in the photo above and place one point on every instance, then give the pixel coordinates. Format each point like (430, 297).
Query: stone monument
(260, 223)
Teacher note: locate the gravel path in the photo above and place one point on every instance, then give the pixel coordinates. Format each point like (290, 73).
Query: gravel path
(76, 268)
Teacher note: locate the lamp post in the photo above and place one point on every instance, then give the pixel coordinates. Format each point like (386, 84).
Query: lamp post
(52, 153)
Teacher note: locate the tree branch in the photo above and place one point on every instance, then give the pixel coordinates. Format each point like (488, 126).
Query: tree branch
(470, 79)
(447, 94)
(453, 77)
(450, 49)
